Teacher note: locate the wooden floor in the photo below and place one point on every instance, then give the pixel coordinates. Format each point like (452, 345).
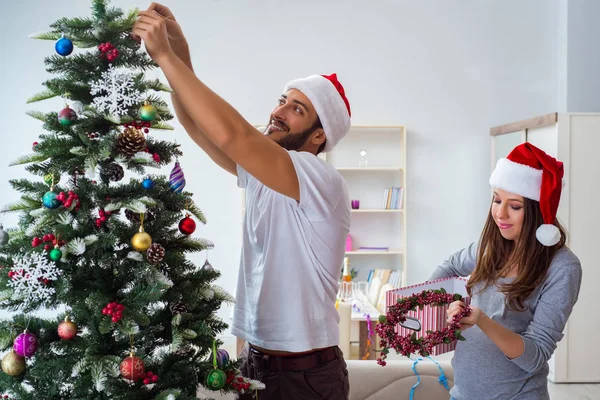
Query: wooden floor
(557, 392)
(574, 391)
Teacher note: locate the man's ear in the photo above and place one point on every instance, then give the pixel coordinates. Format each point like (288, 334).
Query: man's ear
(319, 136)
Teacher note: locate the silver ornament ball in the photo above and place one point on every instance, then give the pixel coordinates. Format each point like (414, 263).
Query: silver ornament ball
(3, 236)
(207, 267)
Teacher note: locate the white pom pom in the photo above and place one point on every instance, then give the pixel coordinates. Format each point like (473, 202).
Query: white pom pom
(548, 234)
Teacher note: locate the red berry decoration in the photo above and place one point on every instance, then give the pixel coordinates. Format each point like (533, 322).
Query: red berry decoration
(103, 216)
(114, 310)
(187, 226)
(67, 330)
(108, 51)
(132, 368)
(150, 378)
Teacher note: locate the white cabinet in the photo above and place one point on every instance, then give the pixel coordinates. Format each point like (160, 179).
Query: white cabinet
(573, 138)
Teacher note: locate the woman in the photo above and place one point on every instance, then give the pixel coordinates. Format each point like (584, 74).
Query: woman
(523, 285)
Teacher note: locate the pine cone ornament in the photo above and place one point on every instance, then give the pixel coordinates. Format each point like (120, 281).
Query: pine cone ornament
(131, 141)
(135, 217)
(155, 253)
(178, 308)
(113, 172)
(185, 350)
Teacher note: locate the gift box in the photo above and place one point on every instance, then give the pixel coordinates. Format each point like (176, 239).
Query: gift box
(431, 317)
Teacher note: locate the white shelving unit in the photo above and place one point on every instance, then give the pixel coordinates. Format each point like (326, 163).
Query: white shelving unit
(373, 226)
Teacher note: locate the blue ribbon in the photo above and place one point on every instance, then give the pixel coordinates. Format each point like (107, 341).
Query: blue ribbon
(442, 379)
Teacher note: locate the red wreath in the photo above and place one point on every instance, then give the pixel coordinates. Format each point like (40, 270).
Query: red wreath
(409, 344)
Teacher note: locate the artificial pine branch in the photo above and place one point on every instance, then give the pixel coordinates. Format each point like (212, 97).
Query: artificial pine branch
(162, 126)
(28, 159)
(26, 186)
(25, 204)
(99, 9)
(196, 212)
(72, 25)
(156, 84)
(223, 295)
(45, 35)
(45, 95)
(125, 24)
(37, 115)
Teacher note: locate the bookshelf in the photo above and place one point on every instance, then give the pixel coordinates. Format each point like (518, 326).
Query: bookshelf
(373, 225)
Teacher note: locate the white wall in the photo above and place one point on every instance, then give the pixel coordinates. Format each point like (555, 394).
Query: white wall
(582, 57)
(447, 70)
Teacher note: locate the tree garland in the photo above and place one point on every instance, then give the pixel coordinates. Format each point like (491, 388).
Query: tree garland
(410, 344)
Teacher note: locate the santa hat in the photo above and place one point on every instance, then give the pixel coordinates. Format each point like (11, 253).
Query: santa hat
(531, 173)
(328, 97)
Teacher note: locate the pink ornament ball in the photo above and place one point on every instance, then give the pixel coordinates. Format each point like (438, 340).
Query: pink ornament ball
(25, 344)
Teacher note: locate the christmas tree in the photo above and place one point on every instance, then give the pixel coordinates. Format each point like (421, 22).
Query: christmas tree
(132, 317)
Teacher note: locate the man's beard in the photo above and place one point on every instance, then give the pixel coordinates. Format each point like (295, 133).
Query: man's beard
(294, 141)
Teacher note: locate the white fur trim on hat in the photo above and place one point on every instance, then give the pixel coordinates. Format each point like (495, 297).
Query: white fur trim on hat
(329, 105)
(547, 234)
(517, 179)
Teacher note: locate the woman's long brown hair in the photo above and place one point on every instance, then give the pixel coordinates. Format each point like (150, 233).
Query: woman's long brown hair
(497, 256)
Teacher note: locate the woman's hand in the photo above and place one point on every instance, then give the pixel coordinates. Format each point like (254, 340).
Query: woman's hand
(465, 322)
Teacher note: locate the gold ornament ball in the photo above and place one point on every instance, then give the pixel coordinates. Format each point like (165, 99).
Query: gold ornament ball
(148, 112)
(13, 364)
(141, 241)
(52, 179)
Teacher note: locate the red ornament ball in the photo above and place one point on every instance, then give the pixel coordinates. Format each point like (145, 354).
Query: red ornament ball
(67, 330)
(187, 226)
(132, 368)
(67, 116)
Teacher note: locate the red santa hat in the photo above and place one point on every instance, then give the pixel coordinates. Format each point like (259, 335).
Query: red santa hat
(328, 97)
(531, 173)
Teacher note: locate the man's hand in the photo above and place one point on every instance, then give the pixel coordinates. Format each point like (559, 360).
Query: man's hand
(151, 27)
(174, 31)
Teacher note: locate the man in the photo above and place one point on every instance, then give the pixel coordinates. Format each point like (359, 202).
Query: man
(297, 216)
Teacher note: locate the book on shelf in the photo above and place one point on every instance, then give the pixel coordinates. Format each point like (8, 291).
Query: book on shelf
(366, 248)
(380, 280)
(392, 198)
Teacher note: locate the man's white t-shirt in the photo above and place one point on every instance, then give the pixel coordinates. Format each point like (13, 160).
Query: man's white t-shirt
(291, 259)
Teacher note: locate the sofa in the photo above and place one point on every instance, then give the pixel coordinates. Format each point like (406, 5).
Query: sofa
(370, 381)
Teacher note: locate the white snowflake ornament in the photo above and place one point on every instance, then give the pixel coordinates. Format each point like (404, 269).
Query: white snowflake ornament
(30, 276)
(115, 92)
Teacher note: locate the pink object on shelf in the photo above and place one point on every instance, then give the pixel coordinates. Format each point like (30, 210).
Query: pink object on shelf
(349, 243)
(355, 204)
(431, 318)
